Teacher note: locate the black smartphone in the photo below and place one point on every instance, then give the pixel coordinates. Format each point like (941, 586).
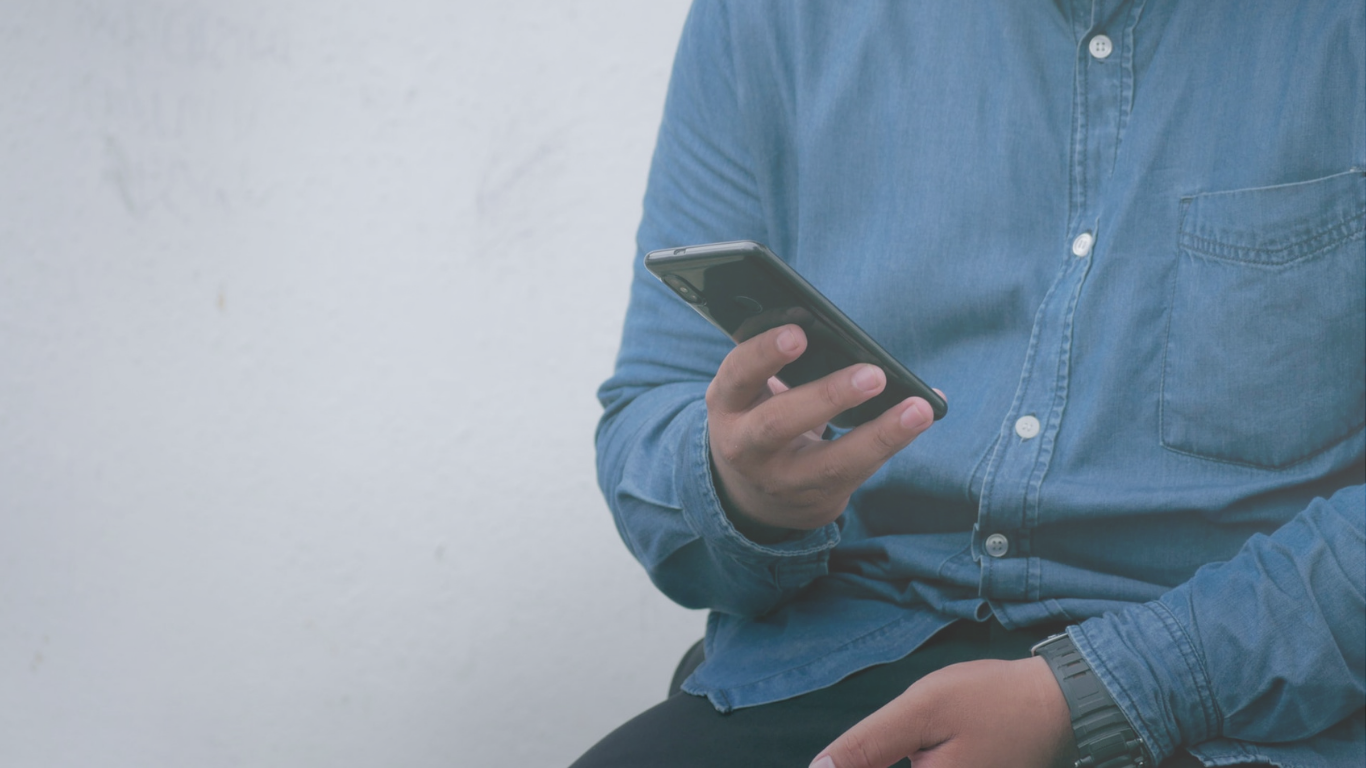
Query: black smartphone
(742, 288)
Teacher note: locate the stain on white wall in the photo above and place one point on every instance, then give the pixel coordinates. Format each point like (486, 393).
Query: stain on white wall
(302, 310)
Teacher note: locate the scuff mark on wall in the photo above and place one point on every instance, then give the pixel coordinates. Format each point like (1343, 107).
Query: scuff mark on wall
(185, 34)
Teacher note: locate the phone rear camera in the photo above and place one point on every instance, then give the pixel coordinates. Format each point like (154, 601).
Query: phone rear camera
(684, 288)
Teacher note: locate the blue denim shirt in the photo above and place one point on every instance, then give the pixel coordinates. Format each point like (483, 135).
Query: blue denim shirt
(1190, 495)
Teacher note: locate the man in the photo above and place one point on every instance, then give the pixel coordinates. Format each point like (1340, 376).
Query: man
(1126, 240)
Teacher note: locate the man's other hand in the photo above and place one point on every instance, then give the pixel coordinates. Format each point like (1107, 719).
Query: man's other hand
(980, 714)
(772, 467)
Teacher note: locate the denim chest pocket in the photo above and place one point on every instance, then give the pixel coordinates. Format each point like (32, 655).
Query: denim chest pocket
(1265, 359)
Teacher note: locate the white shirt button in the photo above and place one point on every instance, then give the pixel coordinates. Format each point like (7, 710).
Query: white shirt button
(997, 545)
(1101, 47)
(1081, 247)
(1027, 427)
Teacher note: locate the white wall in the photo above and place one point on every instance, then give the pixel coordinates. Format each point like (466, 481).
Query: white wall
(302, 309)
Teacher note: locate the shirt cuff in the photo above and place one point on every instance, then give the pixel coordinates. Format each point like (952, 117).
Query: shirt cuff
(1156, 674)
(793, 562)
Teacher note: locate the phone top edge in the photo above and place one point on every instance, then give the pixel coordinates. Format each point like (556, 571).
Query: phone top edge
(728, 248)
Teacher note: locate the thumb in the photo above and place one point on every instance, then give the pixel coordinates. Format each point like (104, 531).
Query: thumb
(879, 740)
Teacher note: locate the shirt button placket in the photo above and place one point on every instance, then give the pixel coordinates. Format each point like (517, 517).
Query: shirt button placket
(1010, 504)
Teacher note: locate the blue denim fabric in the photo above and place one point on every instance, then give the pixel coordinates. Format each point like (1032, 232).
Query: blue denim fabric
(1192, 500)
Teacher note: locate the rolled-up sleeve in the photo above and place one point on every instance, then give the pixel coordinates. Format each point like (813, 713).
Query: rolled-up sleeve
(1267, 647)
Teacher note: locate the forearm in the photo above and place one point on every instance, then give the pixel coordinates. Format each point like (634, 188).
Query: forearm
(1267, 647)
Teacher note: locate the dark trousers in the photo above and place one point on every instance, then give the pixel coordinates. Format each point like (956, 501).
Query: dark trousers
(685, 731)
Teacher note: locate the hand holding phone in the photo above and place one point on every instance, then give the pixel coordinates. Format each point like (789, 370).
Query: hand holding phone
(798, 364)
(743, 289)
(772, 469)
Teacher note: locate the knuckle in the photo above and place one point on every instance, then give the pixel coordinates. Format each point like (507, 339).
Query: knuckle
(754, 349)
(887, 440)
(833, 390)
(713, 396)
(833, 474)
(727, 450)
(860, 750)
(768, 425)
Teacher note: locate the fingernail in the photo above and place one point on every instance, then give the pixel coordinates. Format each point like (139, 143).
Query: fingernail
(824, 762)
(917, 416)
(787, 341)
(868, 378)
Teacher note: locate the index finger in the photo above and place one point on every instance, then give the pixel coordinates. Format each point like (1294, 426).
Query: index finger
(878, 740)
(742, 378)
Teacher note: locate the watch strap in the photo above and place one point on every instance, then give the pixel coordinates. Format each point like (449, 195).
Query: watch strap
(1104, 737)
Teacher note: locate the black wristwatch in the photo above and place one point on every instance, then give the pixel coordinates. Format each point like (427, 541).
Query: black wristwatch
(1104, 737)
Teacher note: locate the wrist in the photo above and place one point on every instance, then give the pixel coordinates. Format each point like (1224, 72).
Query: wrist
(1054, 718)
(1101, 732)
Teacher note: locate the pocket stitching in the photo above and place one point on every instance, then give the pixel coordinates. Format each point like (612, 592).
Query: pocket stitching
(1167, 346)
(1346, 231)
(1351, 432)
